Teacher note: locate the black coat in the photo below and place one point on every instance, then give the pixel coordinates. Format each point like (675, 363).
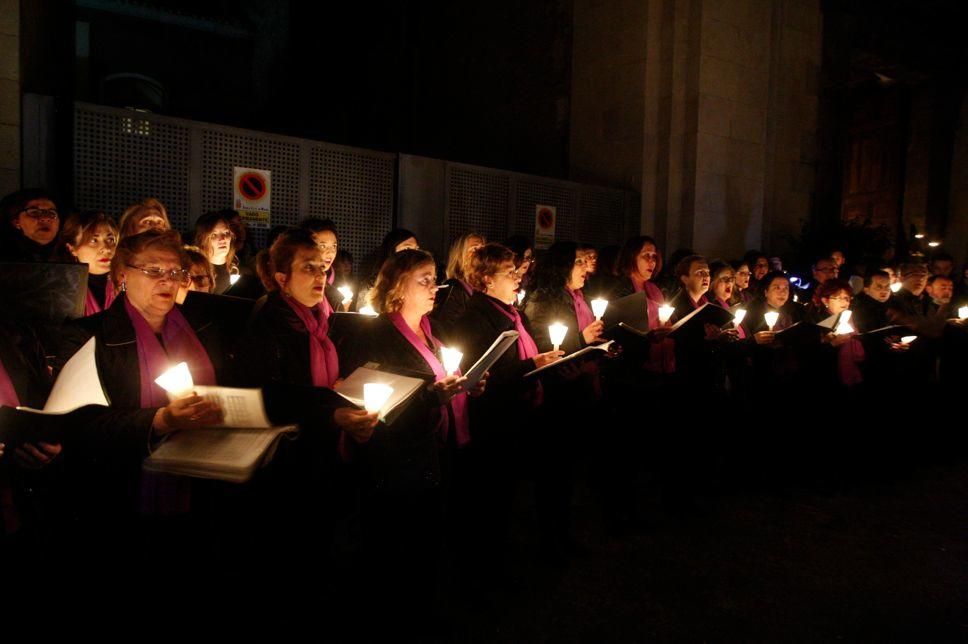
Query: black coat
(401, 458)
(545, 309)
(449, 307)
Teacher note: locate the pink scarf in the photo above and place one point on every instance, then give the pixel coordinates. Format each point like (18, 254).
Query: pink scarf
(458, 404)
(582, 312)
(91, 305)
(181, 345)
(323, 361)
(725, 305)
(8, 395)
(527, 348)
(467, 287)
(662, 354)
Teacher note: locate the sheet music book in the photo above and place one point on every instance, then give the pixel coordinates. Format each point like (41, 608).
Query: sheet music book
(77, 385)
(586, 352)
(707, 313)
(231, 455)
(404, 388)
(633, 310)
(501, 344)
(243, 408)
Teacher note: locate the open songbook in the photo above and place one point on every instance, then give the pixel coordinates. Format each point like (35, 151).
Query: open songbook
(501, 344)
(587, 352)
(404, 388)
(697, 319)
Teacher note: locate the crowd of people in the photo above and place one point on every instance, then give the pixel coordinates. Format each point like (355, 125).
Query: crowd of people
(679, 408)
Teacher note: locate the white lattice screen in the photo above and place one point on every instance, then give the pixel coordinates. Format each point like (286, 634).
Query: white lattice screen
(478, 202)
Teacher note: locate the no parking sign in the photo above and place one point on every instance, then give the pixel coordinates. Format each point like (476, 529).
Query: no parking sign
(544, 225)
(252, 195)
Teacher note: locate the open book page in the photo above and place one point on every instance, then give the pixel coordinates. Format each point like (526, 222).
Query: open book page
(77, 385)
(244, 408)
(223, 454)
(403, 388)
(605, 346)
(501, 344)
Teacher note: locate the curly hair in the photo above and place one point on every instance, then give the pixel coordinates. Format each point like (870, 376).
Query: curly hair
(133, 245)
(386, 296)
(485, 262)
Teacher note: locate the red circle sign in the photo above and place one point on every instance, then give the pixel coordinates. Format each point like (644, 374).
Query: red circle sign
(252, 186)
(546, 218)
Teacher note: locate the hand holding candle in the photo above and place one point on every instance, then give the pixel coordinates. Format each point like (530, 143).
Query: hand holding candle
(451, 359)
(598, 308)
(771, 318)
(665, 312)
(177, 381)
(375, 395)
(557, 331)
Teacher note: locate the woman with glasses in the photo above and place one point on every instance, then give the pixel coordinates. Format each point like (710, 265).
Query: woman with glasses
(742, 293)
(500, 417)
(149, 214)
(524, 255)
(201, 274)
(90, 238)
(138, 338)
(30, 227)
(453, 296)
(401, 464)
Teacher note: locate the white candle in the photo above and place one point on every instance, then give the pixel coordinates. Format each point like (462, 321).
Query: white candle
(451, 358)
(233, 279)
(347, 294)
(598, 308)
(963, 313)
(665, 312)
(796, 298)
(521, 296)
(771, 317)
(557, 331)
(368, 310)
(934, 244)
(738, 317)
(843, 326)
(177, 381)
(895, 287)
(375, 395)
(908, 339)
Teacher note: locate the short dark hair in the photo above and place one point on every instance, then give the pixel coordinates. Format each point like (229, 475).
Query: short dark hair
(318, 225)
(935, 278)
(871, 274)
(682, 268)
(15, 202)
(630, 251)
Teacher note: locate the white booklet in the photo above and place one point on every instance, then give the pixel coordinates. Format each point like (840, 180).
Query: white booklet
(404, 387)
(605, 346)
(218, 453)
(243, 408)
(501, 344)
(77, 385)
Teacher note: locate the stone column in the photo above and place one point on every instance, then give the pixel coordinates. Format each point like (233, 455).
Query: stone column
(9, 96)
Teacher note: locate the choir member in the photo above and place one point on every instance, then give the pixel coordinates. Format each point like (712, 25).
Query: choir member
(775, 367)
(573, 394)
(149, 214)
(825, 268)
(138, 338)
(201, 274)
(590, 254)
(31, 224)
(941, 289)
(870, 306)
(692, 272)
(524, 255)
(213, 234)
(500, 417)
(323, 232)
(91, 237)
(401, 464)
(394, 241)
(452, 301)
(942, 264)
(759, 264)
(742, 293)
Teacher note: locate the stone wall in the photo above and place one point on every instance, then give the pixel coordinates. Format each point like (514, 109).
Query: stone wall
(9, 96)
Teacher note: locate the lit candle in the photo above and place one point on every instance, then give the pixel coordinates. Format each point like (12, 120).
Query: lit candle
(451, 358)
(233, 279)
(347, 294)
(963, 313)
(598, 308)
(771, 317)
(895, 287)
(665, 312)
(557, 332)
(843, 326)
(177, 381)
(521, 296)
(738, 318)
(919, 236)
(908, 339)
(368, 310)
(934, 244)
(375, 395)
(796, 298)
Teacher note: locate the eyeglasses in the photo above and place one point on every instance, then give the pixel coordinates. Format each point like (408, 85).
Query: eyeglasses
(226, 234)
(840, 298)
(427, 280)
(201, 280)
(328, 247)
(315, 270)
(41, 213)
(726, 279)
(179, 276)
(511, 273)
(701, 273)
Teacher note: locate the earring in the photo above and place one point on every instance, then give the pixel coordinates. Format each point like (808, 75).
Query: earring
(124, 286)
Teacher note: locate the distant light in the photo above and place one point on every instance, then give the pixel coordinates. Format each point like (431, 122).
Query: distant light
(934, 244)
(895, 287)
(919, 236)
